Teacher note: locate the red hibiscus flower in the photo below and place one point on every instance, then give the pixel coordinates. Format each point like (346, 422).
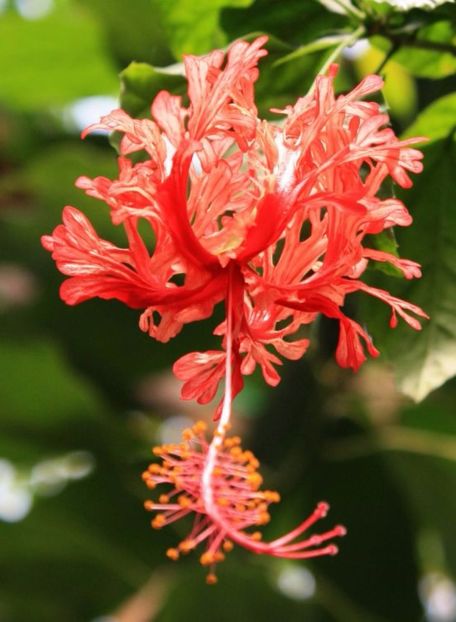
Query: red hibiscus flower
(270, 218)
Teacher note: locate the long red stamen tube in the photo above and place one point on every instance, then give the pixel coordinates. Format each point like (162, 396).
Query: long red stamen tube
(276, 547)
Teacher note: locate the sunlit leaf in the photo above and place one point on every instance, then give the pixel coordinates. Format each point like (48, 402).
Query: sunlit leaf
(132, 30)
(294, 22)
(437, 120)
(423, 361)
(429, 53)
(47, 62)
(193, 28)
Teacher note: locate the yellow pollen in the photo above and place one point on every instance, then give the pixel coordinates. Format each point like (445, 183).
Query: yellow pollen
(211, 579)
(255, 480)
(271, 496)
(158, 522)
(172, 554)
(187, 434)
(184, 502)
(207, 558)
(149, 505)
(163, 499)
(257, 536)
(186, 546)
(228, 546)
(199, 427)
(263, 518)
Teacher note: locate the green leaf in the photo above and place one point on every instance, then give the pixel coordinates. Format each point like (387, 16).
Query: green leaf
(193, 28)
(47, 62)
(53, 396)
(386, 242)
(436, 121)
(295, 22)
(140, 83)
(132, 30)
(423, 361)
(417, 55)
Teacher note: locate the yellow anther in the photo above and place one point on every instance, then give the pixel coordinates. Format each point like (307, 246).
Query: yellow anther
(271, 495)
(149, 505)
(263, 518)
(199, 427)
(228, 546)
(187, 545)
(158, 451)
(159, 521)
(207, 558)
(255, 480)
(236, 452)
(257, 536)
(240, 507)
(187, 434)
(172, 554)
(223, 502)
(211, 579)
(184, 502)
(163, 499)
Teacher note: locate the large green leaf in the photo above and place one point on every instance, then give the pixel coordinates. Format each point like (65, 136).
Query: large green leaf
(53, 60)
(193, 28)
(39, 389)
(428, 63)
(436, 121)
(133, 30)
(423, 361)
(140, 83)
(295, 22)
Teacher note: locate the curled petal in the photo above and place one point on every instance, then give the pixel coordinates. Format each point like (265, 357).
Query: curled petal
(201, 373)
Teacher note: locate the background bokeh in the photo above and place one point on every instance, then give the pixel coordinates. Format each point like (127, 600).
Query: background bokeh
(84, 394)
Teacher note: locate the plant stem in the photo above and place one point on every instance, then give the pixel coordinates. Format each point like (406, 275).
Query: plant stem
(350, 9)
(349, 40)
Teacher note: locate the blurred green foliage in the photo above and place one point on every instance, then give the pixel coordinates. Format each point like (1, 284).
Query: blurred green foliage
(85, 384)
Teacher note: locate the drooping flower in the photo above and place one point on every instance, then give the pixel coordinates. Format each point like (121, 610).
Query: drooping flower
(281, 210)
(269, 218)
